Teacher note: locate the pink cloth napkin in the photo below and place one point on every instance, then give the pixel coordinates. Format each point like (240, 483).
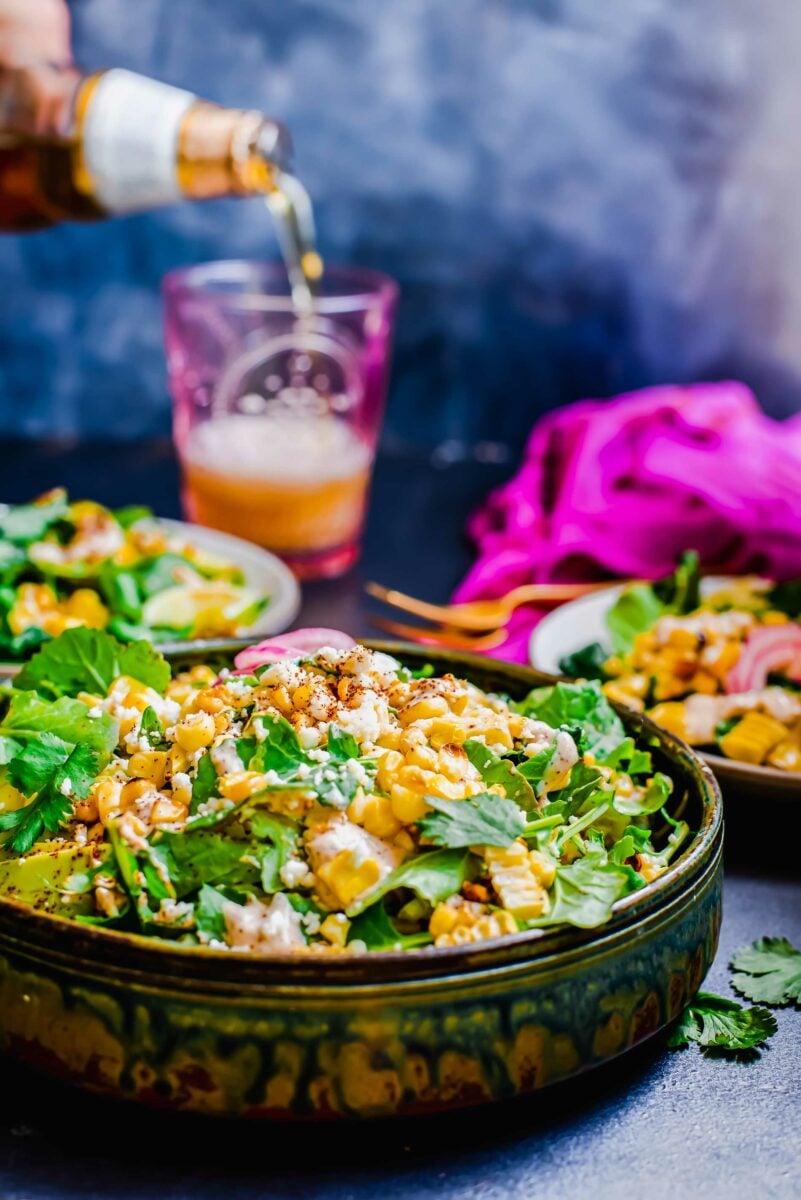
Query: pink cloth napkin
(621, 487)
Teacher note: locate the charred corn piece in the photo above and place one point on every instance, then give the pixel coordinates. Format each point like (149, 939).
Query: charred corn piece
(752, 739)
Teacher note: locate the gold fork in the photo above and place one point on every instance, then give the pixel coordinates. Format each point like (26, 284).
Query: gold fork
(435, 635)
(486, 615)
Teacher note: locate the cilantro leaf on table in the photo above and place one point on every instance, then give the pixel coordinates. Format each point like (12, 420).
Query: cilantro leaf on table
(56, 772)
(483, 820)
(434, 876)
(578, 704)
(494, 769)
(378, 931)
(26, 523)
(584, 892)
(716, 1023)
(768, 970)
(88, 660)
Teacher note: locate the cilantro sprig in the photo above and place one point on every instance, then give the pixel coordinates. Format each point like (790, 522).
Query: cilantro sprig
(718, 1024)
(768, 970)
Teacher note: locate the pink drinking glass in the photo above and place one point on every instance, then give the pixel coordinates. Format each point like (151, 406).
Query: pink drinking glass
(277, 413)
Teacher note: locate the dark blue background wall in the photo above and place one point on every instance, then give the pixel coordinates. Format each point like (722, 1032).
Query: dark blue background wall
(577, 196)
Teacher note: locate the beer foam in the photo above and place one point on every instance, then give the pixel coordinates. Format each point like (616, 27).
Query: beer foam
(278, 447)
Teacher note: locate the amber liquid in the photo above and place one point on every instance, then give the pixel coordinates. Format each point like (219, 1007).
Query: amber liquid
(297, 486)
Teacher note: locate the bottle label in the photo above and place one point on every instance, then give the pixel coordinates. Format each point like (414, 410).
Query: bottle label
(130, 141)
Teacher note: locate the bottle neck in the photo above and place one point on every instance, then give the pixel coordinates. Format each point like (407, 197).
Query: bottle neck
(140, 144)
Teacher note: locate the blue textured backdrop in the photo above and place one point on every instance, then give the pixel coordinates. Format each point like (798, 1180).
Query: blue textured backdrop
(577, 197)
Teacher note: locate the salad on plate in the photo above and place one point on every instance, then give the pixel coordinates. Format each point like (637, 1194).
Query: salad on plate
(318, 796)
(719, 668)
(66, 564)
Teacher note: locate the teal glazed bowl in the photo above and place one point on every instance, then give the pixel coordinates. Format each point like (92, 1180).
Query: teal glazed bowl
(384, 1034)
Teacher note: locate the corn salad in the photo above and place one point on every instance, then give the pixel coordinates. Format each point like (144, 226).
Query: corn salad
(332, 803)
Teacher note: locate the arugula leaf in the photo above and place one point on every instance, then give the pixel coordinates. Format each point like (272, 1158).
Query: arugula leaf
(377, 930)
(29, 716)
(786, 597)
(209, 913)
(25, 523)
(636, 610)
(434, 876)
(56, 779)
(150, 727)
(130, 514)
(769, 970)
(194, 857)
(716, 1023)
(120, 591)
(204, 785)
(681, 591)
(580, 788)
(341, 745)
(483, 820)
(634, 841)
(584, 892)
(282, 836)
(627, 756)
(280, 749)
(587, 663)
(88, 660)
(656, 796)
(581, 704)
(494, 769)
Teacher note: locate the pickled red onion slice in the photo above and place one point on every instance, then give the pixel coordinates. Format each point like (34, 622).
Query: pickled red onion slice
(767, 648)
(295, 644)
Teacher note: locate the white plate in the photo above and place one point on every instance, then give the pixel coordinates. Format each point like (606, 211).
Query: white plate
(263, 571)
(583, 621)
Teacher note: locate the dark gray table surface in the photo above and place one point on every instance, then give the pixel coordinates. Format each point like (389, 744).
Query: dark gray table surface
(656, 1123)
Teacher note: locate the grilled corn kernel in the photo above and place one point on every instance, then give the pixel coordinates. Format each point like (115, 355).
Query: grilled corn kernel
(423, 710)
(423, 756)
(671, 717)
(752, 739)
(86, 810)
(335, 929)
(87, 607)
(149, 764)
(238, 785)
(521, 878)
(107, 795)
(195, 731)
(347, 878)
(167, 812)
(388, 766)
(301, 697)
(374, 813)
(408, 806)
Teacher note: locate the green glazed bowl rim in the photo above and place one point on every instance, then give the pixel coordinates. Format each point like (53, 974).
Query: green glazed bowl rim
(62, 939)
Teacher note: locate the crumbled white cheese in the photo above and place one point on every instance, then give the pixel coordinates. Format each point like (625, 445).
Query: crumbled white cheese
(225, 758)
(309, 737)
(95, 711)
(66, 786)
(318, 755)
(295, 873)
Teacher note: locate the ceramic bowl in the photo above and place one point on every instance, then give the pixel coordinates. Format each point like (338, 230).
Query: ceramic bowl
(363, 1036)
